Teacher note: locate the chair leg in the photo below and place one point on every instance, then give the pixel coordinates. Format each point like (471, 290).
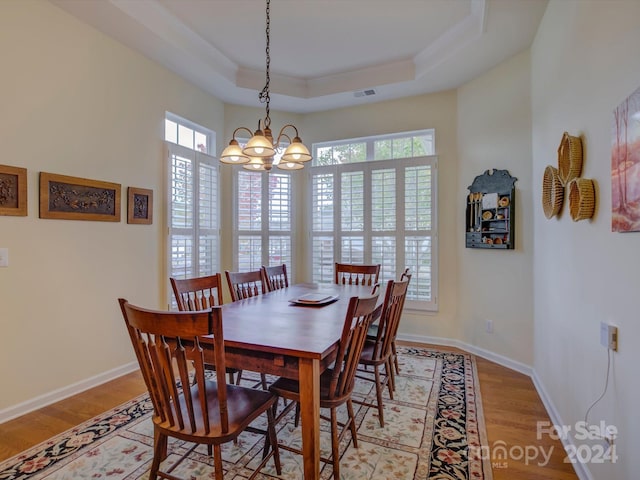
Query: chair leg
(379, 396)
(352, 425)
(238, 377)
(273, 439)
(263, 381)
(159, 452)
(296, 421)
(392, 373)
(395, 356)
(391, 381)
(217, 462)
(335, 445)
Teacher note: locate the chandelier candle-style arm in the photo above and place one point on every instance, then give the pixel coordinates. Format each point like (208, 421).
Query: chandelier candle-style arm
(258, 154)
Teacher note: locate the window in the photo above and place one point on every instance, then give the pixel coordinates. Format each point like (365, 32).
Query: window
(263, 220)
(373, 201)
(194, 237)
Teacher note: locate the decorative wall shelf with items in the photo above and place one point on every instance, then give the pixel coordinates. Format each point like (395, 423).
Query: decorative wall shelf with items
(490, 211)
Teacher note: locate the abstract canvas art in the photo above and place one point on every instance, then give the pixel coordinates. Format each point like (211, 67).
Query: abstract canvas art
(625, 165)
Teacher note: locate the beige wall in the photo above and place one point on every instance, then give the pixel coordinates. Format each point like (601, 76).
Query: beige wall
(584, 63)
(77, 103)
(494, 131)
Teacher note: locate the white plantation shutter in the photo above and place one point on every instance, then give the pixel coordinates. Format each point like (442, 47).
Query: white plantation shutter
(385, 212)
(263, 220)
(419, 200)
(322, 220)
(194, 236)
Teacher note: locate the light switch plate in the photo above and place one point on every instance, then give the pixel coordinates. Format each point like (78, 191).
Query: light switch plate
(4, 257)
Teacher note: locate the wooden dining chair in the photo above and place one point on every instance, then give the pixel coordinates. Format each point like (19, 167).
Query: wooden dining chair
(352, 274)
(377, 351)
(336, 384)
(276, 277)
(201, 293)
(245, 284)
(187, 405)
(406, 275)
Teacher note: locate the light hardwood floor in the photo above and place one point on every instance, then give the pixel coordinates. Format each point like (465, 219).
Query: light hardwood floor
(511, 407)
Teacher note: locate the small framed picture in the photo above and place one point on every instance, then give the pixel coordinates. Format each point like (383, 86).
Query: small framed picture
(13, 191)
(140, 206)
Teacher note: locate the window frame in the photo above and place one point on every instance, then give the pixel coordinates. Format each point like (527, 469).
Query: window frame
(368, 167)
(197, 158)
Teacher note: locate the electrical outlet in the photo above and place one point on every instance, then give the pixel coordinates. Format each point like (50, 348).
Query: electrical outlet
(609, 336)
(489, 326)
(4, 257)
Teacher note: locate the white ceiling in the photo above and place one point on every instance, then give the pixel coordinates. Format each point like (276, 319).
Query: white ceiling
(322, 51)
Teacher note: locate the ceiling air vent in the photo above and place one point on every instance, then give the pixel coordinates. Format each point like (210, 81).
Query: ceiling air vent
(364, 93)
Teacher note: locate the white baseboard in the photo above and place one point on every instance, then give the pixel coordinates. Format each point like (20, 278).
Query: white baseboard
(450, 342)
(64, 392)
(567, 440)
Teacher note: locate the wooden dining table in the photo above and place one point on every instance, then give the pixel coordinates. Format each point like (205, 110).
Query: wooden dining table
(269, 334)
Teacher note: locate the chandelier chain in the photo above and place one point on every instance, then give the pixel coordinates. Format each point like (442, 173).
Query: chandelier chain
(264, 94)
(259, 152)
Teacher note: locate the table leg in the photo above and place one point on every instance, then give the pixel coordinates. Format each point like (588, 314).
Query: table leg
(310, 416)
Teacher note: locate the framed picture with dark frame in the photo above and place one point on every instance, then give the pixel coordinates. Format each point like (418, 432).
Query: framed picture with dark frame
(72, 198)
(140, 206)
(13, 191)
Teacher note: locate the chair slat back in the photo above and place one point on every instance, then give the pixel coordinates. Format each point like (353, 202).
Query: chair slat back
(276, 277)
(390, 319)
(245, 284)
(199, 293)
(406, 276)
(351, 274)
(354, 333)
(167, 347)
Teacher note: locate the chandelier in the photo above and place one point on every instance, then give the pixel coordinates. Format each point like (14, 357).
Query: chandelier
(259, 152)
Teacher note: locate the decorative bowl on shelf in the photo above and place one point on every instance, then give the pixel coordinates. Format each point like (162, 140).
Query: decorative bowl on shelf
(503, 202)
(487, 216)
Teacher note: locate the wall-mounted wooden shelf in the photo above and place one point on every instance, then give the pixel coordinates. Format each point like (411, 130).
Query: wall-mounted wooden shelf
(490, 211)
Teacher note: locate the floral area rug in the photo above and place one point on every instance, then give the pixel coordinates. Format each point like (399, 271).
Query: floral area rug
(434, 419)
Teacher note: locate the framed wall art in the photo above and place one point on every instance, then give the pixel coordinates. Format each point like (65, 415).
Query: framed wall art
(13, 191)
(140, 206)
(625, 165)
(72, 198)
